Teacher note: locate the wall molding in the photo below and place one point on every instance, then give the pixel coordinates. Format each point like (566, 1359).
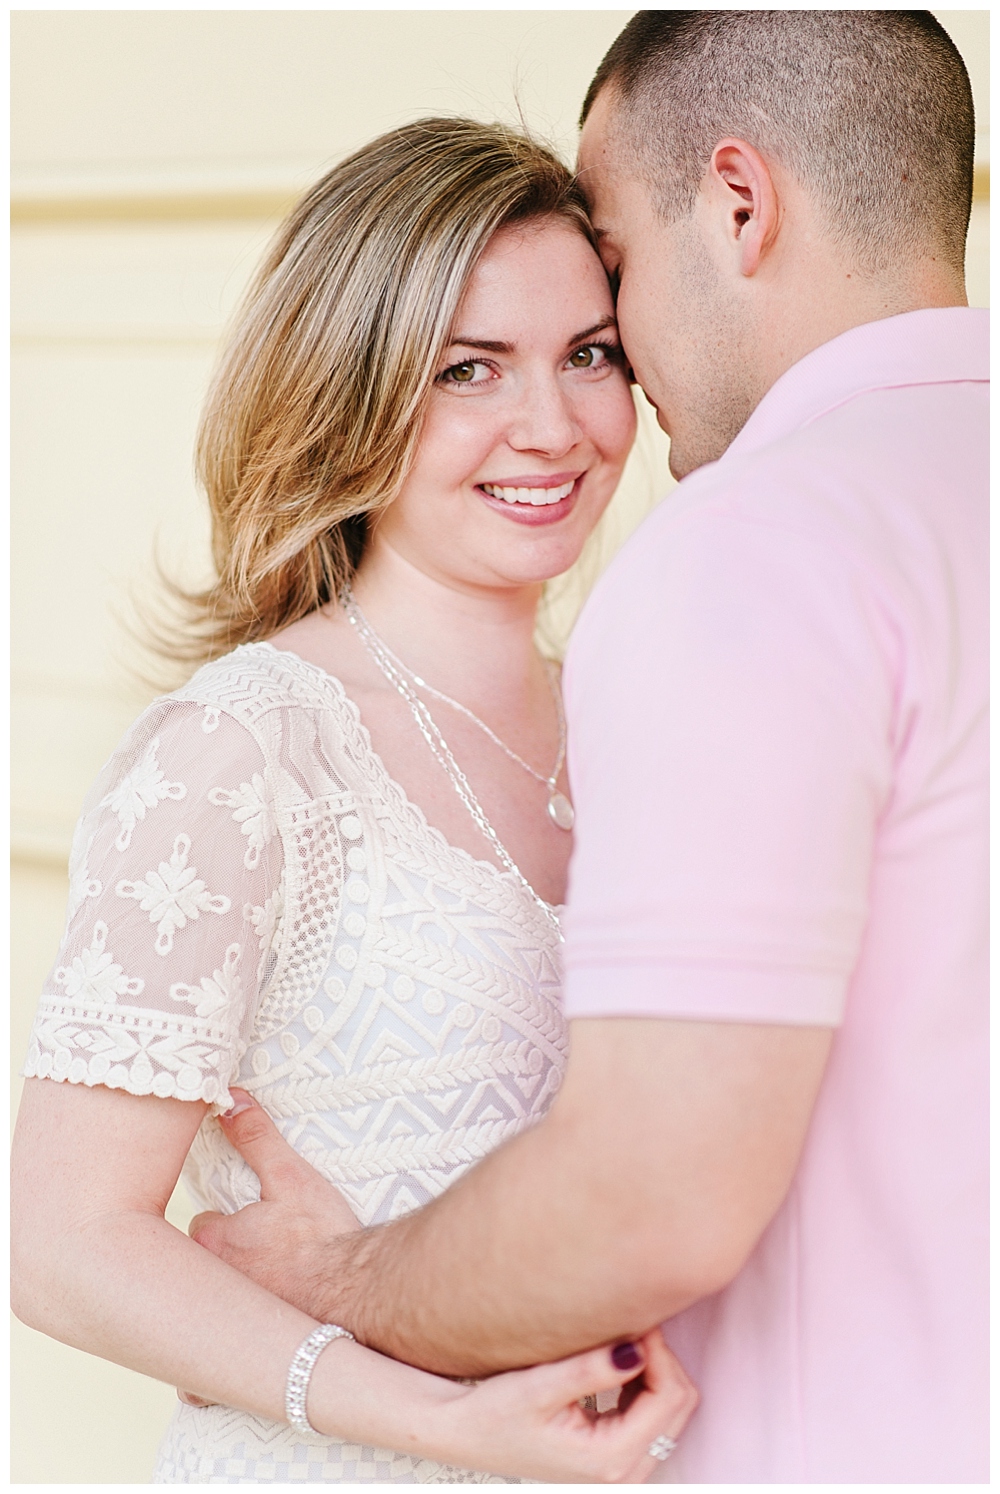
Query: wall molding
(35, 845)
(159, 194)
(155, 197)
(150, 207)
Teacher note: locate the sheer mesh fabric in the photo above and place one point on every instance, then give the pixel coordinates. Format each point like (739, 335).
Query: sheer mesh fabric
(255, 901)
(175, 893)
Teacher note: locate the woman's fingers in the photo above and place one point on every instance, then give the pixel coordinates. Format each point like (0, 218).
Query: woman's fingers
(659, 1412)
(656, 1401)
(665, 1372)
(531, 1422)
(569, 1380)
(666, 1379)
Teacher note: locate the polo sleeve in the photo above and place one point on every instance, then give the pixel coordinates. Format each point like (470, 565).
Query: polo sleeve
(175, 913)
(730, 698)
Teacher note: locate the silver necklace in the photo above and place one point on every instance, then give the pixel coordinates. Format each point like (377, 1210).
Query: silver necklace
(558, 807)
(431, 733)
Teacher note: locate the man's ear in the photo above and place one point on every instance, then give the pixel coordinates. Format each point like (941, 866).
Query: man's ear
(740, 188)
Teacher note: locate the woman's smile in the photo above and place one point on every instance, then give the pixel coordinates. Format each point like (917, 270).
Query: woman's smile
(422, 414)
(533, 500)
(531, 413)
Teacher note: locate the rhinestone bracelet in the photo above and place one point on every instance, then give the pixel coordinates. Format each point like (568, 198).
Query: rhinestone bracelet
(300, 1373)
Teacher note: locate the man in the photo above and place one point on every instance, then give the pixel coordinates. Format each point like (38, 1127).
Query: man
(772, 1130)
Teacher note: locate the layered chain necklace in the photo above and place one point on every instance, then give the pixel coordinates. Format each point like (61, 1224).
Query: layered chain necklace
(403, 679)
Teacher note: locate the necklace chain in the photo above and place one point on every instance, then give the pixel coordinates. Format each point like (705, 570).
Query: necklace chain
(430, 731)
(549, 780)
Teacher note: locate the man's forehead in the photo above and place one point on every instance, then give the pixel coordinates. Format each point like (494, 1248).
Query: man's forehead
(595, 138)
(613, 191)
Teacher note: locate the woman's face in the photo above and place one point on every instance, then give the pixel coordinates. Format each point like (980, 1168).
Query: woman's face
(529, 423)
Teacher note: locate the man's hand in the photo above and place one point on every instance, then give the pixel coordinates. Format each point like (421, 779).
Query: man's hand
(286, 1242)
(660, 1163)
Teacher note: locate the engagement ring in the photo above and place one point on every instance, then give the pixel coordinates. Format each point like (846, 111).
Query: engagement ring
(661, 1448)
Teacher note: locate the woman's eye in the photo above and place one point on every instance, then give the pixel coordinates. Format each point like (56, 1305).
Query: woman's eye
(470, 372)
(592, 356)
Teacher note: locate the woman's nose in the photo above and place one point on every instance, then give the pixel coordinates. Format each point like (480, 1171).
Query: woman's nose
(545, 420)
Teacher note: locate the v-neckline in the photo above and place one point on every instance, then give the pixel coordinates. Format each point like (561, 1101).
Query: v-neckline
(332, 684)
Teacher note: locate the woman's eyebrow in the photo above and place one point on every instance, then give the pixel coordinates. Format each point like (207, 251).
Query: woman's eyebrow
(486, 345)
(481, 342)
(601, 326)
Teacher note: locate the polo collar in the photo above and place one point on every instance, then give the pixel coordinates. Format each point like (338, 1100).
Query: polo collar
(940, 345)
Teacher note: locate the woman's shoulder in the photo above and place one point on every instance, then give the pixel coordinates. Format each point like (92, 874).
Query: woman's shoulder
(257, 678)
(230, 720)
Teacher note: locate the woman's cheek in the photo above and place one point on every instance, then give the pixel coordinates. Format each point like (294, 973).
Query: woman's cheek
(466, 436)
(616, 422)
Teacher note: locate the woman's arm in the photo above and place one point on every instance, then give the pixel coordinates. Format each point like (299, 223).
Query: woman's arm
(96, 1265)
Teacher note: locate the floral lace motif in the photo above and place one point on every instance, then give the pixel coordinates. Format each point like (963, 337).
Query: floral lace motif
(214, 992)
(93, 977)
(173, 894)
(252, 813)
(81, 884)
(141, 789)
(390, 1000)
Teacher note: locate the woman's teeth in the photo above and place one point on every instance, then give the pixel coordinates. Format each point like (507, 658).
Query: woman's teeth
(535, 496)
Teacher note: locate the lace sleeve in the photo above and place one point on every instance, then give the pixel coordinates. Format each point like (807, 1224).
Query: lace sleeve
(175, 910)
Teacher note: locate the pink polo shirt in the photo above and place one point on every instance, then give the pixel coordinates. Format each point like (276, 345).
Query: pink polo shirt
(777, 701)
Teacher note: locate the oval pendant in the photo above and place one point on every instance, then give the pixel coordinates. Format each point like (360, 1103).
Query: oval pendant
(561, 810)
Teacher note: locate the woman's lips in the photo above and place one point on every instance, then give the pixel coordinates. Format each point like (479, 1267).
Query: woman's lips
(533, 501)
(537, 494)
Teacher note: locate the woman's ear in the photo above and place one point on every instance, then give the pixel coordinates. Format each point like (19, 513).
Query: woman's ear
(743, 196)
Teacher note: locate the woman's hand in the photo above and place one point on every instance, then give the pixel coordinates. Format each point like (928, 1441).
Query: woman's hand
(529, 1423)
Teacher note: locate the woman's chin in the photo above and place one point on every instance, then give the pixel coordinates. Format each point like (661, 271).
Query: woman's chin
(537, 554)
(543, 568)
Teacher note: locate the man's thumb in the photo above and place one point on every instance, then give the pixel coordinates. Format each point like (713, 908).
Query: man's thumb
(201, 1225)
(258, 1141)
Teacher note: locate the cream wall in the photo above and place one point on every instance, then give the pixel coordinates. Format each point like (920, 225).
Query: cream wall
(153, 154)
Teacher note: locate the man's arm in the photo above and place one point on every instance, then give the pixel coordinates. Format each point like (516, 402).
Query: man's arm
(735, 666)
(665, 1155)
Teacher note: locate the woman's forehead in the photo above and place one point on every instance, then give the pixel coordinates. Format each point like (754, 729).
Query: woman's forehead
(530, 270)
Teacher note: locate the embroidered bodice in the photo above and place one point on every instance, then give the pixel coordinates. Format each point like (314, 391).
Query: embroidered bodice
(254, 900)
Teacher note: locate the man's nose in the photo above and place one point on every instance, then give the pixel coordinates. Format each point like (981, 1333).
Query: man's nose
(545, 420)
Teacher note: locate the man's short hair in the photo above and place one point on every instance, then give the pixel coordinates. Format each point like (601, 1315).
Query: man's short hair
(871, 110)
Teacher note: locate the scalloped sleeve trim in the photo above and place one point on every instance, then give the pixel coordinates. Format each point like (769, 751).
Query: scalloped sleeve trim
(124, 1047)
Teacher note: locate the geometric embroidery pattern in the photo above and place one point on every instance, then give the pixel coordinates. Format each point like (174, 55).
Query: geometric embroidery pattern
(390, 1000)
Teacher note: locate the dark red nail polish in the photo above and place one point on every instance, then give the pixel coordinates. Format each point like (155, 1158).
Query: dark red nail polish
(625, 1356)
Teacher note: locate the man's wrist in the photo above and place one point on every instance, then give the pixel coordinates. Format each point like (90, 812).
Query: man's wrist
(333, 1283)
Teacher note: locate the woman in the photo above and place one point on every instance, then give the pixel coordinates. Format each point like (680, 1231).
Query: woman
(328, 868)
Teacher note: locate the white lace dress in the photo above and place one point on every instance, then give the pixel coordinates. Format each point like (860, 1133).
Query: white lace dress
(255, 901)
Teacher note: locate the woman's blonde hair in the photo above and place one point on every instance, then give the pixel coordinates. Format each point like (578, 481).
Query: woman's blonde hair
(316, 408)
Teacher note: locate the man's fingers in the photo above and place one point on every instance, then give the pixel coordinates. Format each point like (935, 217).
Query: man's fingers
(201, 1226)
(258, 1141)
(188, 1399)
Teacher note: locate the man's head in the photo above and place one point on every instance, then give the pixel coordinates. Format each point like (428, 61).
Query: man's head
(765, 180)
